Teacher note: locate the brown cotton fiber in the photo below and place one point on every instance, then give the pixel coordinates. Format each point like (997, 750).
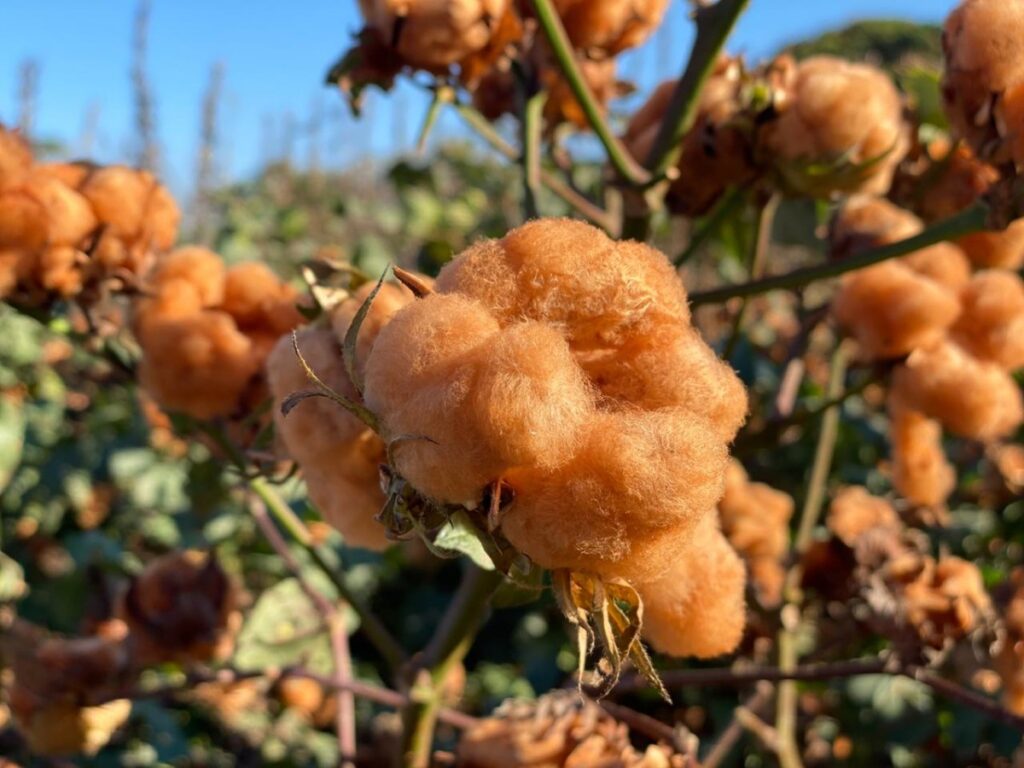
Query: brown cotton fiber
(969, 397)
(607, 27)
(921, 473)
(695, 606)
(843, 115)
(991, 326)
(755, 519)
(853, 512)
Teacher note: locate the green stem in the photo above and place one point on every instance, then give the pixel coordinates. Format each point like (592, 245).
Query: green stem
(725, 208)
(762, 242)
(714, 24)
(532, 124)
(369, 624)
(451, 642)
(966, 222)
(554, 31)
(786, 706)
(574, 199)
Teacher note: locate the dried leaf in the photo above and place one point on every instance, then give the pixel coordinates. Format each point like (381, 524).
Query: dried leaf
(348, 348)
(363, 414)
(413, 282)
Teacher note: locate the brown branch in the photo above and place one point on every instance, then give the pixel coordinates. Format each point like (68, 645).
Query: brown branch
(728, 739)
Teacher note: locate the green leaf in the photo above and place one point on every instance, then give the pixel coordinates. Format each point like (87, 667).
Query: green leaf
(12, 580)
(459, 535)
(12, 439)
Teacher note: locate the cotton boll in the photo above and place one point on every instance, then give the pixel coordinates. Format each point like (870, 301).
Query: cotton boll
(259, 301)
(70, 217)
(991, 326)
(391, 298)
(24, 224)
(996, 249)
(608, 27)
(921, 473)
(695, 607)
(854, 512)
(970, 397)
(200, 267)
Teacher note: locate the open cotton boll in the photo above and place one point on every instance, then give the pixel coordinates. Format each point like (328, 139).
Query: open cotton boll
(991, 326)
(892, 310)
(259, 301)
(635, 476)
(921, 473)
(969, 397)
(200, 267)
(695, 606)
(853, 512)
(70, 217)
(133, 205)
(608, 27)
(391, 298)
(840, 114)
(434, 34)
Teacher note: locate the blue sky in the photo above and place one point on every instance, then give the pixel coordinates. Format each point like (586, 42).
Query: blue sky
(274, 55)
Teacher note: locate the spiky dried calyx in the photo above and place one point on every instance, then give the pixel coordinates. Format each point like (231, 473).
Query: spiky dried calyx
(982, 84)
(338, 454)
(899, 305)
(841, 129)
(183, 607)
(563, 364)
(65, 227)
(755, 518)
(560, 730)
(205, 331)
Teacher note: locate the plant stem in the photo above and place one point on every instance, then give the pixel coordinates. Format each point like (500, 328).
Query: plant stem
(762, 242)
(970, 220)
(451, 642)
(714, 24)
(372, 627)
(786, 706)
(574, 199)
(618, 155)
(711, 224)
(532, 124)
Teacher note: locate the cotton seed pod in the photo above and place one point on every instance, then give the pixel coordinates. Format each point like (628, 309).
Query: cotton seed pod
(716, 153)
(980, 41)
(991, 326)
(892, 310)
(15, 158)
(571, 275)
(434, 34)
(921, 473)
(638, 479)
(866, 222)
(1009, 659)
(842, 130)
(853, 512)
(183, 607)
(339, 456)
(560, 730)
(608, 27)
(755, 519)
(695, 606)
(969, 397)
(943, 600)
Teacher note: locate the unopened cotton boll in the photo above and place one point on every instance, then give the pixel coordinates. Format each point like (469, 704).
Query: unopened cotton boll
(991, 326)
(845, 117)
(969, 397)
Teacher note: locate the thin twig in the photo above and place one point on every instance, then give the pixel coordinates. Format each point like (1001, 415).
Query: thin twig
(532, 124)
(758, 257)
(346, 709)
(558, 187)
(729, 737)
(369, 624)
(966, 222)
(618, 155)
(722, 211)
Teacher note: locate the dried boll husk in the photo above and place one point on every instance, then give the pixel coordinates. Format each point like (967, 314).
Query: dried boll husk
(339, 456)
(434, 34)
(854, 512)
(981, 85)
(991, 326)
(841, 130)
(716, 153)
(695, 606)
(182, 608)
(560, 730)
(638, 482)
(969, 397)
(921, 473)
(755, 519)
